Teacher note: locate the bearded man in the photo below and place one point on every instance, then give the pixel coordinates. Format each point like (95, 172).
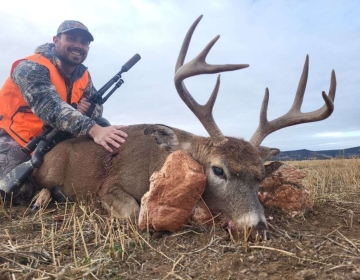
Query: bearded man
(52, 87)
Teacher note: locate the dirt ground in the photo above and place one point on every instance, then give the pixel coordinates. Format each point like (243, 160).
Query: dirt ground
(321, 244)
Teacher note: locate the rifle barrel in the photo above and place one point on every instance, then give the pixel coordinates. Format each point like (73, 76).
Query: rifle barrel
(126, 67)
(132, 61)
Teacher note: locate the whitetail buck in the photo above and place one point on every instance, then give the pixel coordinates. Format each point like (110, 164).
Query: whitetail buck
(234, 167)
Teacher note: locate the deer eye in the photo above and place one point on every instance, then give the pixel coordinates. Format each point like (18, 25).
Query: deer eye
(218, 171)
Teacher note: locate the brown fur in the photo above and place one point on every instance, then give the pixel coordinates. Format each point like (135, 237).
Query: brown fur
(79, 167)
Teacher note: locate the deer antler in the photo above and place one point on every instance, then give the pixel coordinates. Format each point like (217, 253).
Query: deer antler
(195, 67)
(294, 116)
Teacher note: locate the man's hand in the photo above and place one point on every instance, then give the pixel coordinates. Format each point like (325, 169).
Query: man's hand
(110, 135)
(83, 106)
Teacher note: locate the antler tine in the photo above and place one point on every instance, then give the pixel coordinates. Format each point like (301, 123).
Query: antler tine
(198, 66)
(294, 116)
(299, 96)
(186, 43)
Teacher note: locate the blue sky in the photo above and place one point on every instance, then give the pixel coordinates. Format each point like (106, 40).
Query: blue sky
(274, 37)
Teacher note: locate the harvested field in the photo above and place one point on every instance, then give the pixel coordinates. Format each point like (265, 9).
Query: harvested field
(80, 241)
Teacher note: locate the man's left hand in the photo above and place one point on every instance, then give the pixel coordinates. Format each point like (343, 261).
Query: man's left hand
(83, 106)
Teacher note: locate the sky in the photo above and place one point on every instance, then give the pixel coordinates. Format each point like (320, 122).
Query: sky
(273, 37)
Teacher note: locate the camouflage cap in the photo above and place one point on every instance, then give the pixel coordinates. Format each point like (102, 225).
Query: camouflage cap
(69, 25)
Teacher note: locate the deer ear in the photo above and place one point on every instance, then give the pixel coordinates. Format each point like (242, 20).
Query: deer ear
(164, 136)
(267, 153)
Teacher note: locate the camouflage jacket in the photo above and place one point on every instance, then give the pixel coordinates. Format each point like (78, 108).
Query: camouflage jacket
(38, 91)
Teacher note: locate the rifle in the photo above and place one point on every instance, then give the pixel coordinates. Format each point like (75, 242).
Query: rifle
(50, 136)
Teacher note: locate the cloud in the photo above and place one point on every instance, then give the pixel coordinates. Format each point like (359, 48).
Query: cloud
(274, 37)
(338, 134)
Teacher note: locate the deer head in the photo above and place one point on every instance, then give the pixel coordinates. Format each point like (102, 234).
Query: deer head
(234, 167)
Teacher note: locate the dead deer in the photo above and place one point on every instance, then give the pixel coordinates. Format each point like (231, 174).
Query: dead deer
(234, 167)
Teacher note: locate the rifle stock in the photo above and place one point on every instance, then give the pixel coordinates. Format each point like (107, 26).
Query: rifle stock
(13, 180)
(50, 137)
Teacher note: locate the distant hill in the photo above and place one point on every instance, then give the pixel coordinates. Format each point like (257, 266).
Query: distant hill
(328, 154)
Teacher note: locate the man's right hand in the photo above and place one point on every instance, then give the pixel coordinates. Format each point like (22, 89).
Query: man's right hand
(106, 136)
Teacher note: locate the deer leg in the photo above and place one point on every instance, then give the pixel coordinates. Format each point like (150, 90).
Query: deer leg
(58, 194)
(122, 205)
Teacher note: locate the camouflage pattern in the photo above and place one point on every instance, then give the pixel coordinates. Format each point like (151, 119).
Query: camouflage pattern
(13, 180)
(10, 153)
(69, 25)
(35, 85)
(34, 82)
(14, 183)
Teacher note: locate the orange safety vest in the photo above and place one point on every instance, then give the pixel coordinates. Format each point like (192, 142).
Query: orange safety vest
(15, 114)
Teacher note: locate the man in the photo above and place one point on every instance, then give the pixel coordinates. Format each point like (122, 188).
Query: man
(41, 89)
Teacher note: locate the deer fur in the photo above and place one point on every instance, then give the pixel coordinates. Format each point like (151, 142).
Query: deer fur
(78, 168)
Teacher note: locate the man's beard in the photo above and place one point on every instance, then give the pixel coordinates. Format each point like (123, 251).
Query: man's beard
(68, 62)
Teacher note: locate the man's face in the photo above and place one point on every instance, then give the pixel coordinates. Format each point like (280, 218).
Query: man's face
(72, 47)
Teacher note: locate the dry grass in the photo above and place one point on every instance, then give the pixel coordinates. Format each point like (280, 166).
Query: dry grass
(71, 239)
(335, 179)
(79, 241)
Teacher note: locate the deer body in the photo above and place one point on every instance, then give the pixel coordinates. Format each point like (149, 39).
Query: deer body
(234, 167)
(79, 167)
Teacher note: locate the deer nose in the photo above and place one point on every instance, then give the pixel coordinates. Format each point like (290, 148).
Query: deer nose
(261, 226)
(253, 234)
(259, 232)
